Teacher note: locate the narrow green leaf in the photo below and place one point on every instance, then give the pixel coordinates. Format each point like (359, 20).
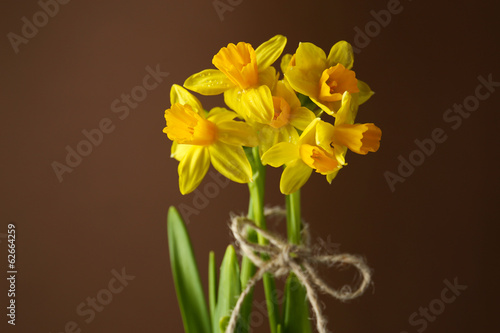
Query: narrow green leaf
(186, 276)
(229, 287)
(295, 308)
(248, 269)
(212, 285)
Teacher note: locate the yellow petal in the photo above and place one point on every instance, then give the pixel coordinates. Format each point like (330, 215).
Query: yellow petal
(284, 90)
(208, 82)
(237, 133)
(268, 77)
(308, 136)
(331, 176)
(346, 114)
(193, 168)
(257, 103)
(180, 95)
(288, 133)
(301, 117)
(281, 153)
(328, 107)
(294, 176)
(269, 51)
(285, 62)
(178, 150)
(232, 98)
(364, 92)
(303, 82)
(341, 53)
(231, 161)
(310, 58)
(340, 152)
(268, 137)
(324, 135)
(217, 115)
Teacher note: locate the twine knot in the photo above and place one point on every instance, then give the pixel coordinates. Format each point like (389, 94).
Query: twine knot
(280, 258)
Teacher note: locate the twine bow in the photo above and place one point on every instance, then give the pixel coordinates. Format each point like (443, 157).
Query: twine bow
(299, 259)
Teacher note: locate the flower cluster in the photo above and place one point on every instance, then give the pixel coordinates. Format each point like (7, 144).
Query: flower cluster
(279, 116)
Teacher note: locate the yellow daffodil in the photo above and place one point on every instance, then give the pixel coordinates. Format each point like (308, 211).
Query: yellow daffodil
(301, 158)
(359, 138)
(200, 140)
(325, 79)
(288, 116)
(244, 75)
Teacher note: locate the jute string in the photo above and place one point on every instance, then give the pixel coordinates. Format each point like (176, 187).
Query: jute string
(299, 259)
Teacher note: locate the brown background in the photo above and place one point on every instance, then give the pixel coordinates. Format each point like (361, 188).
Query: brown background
(110, 211)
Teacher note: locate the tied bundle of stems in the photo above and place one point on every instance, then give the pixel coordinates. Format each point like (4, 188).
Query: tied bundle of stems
(275, 122)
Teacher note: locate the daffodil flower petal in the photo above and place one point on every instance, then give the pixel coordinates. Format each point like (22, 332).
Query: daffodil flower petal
(327, 107)
(284, 90)
(331, 176)
(192, 168)
(294, 176)
(309, 58)
(180, 95)
(237, 133)
(231, 161)
(301, 117)
(346, 114)
(258, 105)
(288, 133)
(208, 82)
(308, 136)
(364, 92)
(324, 135)
(303, 82)
(268, 77)
(285, 62)
(232, 98)
(178, 150)
(269, 51)
(340, 152)
(341, 53)
(268, 137)
(218, 114)
(281, 153)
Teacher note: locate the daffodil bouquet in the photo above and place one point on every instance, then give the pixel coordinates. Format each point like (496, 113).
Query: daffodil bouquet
(270, 120)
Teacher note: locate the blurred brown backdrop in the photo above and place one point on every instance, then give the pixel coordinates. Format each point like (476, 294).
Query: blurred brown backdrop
(109, 213)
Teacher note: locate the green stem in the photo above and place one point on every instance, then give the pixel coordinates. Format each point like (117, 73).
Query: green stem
(256, 212)
(293, 222)
(295, 308)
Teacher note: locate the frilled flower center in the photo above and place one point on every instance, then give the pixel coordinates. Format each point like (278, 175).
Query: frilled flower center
(317, 158)
(335, 81)
(188, 127)
(239, 63)
(359, 138)
(281, 112)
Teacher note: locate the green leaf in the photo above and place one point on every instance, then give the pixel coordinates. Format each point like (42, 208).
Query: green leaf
(212, 285)
(186, 276)
(229, 288)
(248, 269)
(295, 307)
